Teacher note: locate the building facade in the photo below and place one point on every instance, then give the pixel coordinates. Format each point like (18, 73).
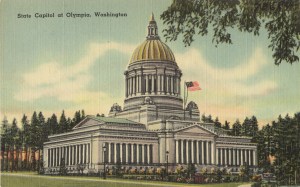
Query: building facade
(153, 128)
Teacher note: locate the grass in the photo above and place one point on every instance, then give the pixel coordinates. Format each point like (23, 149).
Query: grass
(33, 180)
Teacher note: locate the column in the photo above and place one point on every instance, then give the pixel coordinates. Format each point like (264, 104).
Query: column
(132, 153)
(202, 151)
(109, 153)
(54, 157)
(234, 157)
(163, 83)
(75, 155)
(58, 156)
(182, 157)
(197, 152)
(115, 152)
(217, 156)
(254, 158)
(175, 85)
(172, 85)
(193, 151)
(126, 153)
(238, 157)
(70, 153)
(226, 156)
(245, 156)
(134, 85)
(187, 151)
(249, 158)
(78, 154)
(138, 153)
(159, 84)
(148, 153)
(88, 153)
(83, 153)
(213, 153)
(140, 83)
(207, 153)
(179, 87)
(176, 151)
(50, 157)
(152, 87)
(242, 156)
(121, 152)
(221, 157)
(147, 84)
(129, 86)
(143, 153)
(230, 156)
(167, 84)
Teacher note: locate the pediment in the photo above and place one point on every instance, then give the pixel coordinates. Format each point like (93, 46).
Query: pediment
(87, 122)
(194, 130)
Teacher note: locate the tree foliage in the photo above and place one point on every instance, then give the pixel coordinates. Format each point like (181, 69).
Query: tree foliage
(280, 18)
(30, 138)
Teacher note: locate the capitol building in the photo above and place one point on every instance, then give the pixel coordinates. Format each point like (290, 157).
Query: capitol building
(153, 127)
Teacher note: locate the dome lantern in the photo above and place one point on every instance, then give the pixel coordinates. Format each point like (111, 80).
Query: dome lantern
(152, 29)
(153, 49)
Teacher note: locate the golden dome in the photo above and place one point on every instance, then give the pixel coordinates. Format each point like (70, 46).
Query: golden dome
(153, 48)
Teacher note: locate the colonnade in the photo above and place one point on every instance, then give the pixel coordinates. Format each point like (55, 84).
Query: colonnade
(194, 151)
(152, 84)
(127, 153)
(236, 157)
(71, 155)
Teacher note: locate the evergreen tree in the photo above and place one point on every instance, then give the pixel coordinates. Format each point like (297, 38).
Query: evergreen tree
(82, 115)
(226, 125)
(34, 138)
(265, 147)
(217, 124)
(254, 127)
(246, 126)
(203, 118)
(53, 124)
(63, 125)
(25, 139)
(15, 139)
(43, 132)
(4, 140)
(236, 128)
(70, 124)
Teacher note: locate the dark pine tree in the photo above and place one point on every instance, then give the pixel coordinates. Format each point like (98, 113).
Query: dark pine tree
(53, 124)
(226, 125)
(25, 141)
(217, 124)
(236, 128)
(63, 124)
(34, 138)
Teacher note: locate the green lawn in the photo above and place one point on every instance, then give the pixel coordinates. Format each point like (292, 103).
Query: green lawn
(33, 180)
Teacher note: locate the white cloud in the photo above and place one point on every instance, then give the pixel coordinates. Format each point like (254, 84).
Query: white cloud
(227, 92)
(233, 81)
(67, 82)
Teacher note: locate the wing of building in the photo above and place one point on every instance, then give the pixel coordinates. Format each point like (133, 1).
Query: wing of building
(153, 128)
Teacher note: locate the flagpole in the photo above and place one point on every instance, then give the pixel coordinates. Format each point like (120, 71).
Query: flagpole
(184, 99)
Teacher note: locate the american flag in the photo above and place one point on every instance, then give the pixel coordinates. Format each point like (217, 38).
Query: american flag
(193, 86)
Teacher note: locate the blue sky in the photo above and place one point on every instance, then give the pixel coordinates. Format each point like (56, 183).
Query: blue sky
(56, 64)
